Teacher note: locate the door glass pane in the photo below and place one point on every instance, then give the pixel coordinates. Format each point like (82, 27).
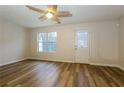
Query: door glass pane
(82, 39)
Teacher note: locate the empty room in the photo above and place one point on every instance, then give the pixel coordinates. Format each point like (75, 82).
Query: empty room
(62, 46)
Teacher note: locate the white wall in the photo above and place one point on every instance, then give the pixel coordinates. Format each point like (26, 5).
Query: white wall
(104, 46)
(121, 43)
(13, 42)
(107, 46)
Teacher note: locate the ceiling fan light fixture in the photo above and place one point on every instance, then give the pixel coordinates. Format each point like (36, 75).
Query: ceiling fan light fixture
(49, 15)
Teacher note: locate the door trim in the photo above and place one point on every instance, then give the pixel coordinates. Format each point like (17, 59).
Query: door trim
(89, 43)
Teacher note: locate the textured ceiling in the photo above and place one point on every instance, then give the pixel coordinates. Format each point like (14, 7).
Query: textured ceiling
(81, 13)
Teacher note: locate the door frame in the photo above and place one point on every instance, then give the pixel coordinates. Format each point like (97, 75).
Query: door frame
(89, 41)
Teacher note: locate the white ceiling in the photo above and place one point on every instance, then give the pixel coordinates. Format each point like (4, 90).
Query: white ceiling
(81, 13)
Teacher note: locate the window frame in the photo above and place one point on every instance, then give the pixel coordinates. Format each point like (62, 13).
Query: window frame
(46, 42)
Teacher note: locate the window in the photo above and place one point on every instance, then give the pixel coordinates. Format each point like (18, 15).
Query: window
(82, 39)
(47, 41)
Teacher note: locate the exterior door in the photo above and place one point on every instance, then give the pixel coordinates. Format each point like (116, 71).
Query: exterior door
(82, 49)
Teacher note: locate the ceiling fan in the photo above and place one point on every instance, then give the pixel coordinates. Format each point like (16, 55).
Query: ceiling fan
(51, 13)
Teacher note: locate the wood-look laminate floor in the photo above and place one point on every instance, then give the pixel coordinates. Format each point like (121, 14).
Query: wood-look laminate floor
(48, 74)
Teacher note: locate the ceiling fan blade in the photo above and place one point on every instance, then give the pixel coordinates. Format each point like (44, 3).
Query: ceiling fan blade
(36, 9)
(52, 8)
(43, 18)
(64, 14)
(56, 19)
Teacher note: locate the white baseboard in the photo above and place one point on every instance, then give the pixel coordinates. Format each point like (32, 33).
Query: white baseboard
(87, 61)
(103, 64)
(67, 61)
(91, 63)
(14, 61)
(122, 68)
